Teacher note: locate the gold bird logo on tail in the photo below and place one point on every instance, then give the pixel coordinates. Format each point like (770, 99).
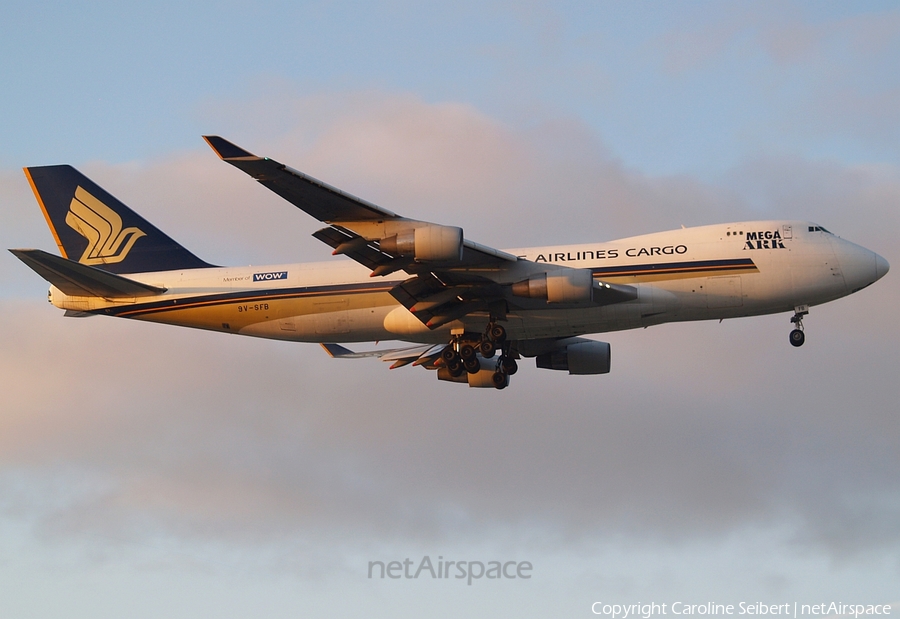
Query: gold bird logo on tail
(102, 227)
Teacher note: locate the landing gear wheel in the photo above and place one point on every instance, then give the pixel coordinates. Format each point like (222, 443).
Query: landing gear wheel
(497, 333)
(456, 368)
(449, 355)
(472, 365)
(509, 366)
(500, 380)
(797, 335)
(487, 348)
(467, 351)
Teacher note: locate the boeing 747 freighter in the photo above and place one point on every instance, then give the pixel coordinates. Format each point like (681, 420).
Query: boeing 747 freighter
(470, 311)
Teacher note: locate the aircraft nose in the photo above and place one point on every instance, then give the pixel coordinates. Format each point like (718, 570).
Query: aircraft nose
(881, 267)
(860, 266)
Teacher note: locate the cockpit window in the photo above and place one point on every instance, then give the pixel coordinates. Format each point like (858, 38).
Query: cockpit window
(818, 229)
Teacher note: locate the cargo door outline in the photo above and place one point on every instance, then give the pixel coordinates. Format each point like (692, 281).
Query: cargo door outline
(724, 292)
(331, 316)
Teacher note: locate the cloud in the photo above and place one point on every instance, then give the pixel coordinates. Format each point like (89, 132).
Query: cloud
(420, 159)
(701, 430)
(429, 159)
(825, 191)
(808, 79)
(848, 66)
(786, 34)
(865, 36)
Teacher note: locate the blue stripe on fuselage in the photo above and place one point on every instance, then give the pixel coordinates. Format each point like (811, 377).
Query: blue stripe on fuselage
(246, 296)
(674, 267)
(382, 286)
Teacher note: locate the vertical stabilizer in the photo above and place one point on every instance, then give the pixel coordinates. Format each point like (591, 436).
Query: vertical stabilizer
(94, 228)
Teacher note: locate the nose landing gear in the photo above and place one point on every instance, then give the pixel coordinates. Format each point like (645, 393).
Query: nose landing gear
(797, 336)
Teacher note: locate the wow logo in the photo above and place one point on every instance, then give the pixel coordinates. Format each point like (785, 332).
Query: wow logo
(263, 277)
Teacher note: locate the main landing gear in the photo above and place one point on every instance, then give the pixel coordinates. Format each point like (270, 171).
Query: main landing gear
(797, 335)
(461, 355)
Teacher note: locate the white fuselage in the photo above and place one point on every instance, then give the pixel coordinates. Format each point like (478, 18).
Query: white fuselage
(708, 272)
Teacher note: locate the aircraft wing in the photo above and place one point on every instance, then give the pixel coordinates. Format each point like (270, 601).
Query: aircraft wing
(450, 275)
(322, 201)
(354, 220)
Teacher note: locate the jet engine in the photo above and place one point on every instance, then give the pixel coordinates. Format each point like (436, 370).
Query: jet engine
(563, 286)
(573, 286)
(431, 243)
(483, 378)
(584, 357)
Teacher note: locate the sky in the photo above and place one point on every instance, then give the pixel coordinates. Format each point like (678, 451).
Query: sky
(153, 471)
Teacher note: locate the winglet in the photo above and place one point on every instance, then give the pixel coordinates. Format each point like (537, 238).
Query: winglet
(226, 150)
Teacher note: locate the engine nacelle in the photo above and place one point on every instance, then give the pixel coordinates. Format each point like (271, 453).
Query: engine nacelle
(563, 286)
(400, 321)
(578, 358)
(483, 378)
(430, 243)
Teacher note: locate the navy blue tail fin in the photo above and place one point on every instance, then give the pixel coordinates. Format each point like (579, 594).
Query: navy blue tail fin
(94, 228)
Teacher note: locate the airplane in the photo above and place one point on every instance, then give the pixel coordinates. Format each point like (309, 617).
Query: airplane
(470, 311)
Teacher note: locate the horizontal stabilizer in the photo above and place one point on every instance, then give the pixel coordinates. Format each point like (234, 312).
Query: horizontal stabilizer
(407, 354)
(74, 278)
(336, 351)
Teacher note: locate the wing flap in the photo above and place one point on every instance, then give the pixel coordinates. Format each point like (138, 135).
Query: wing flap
(436, 302)
(346, 242)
